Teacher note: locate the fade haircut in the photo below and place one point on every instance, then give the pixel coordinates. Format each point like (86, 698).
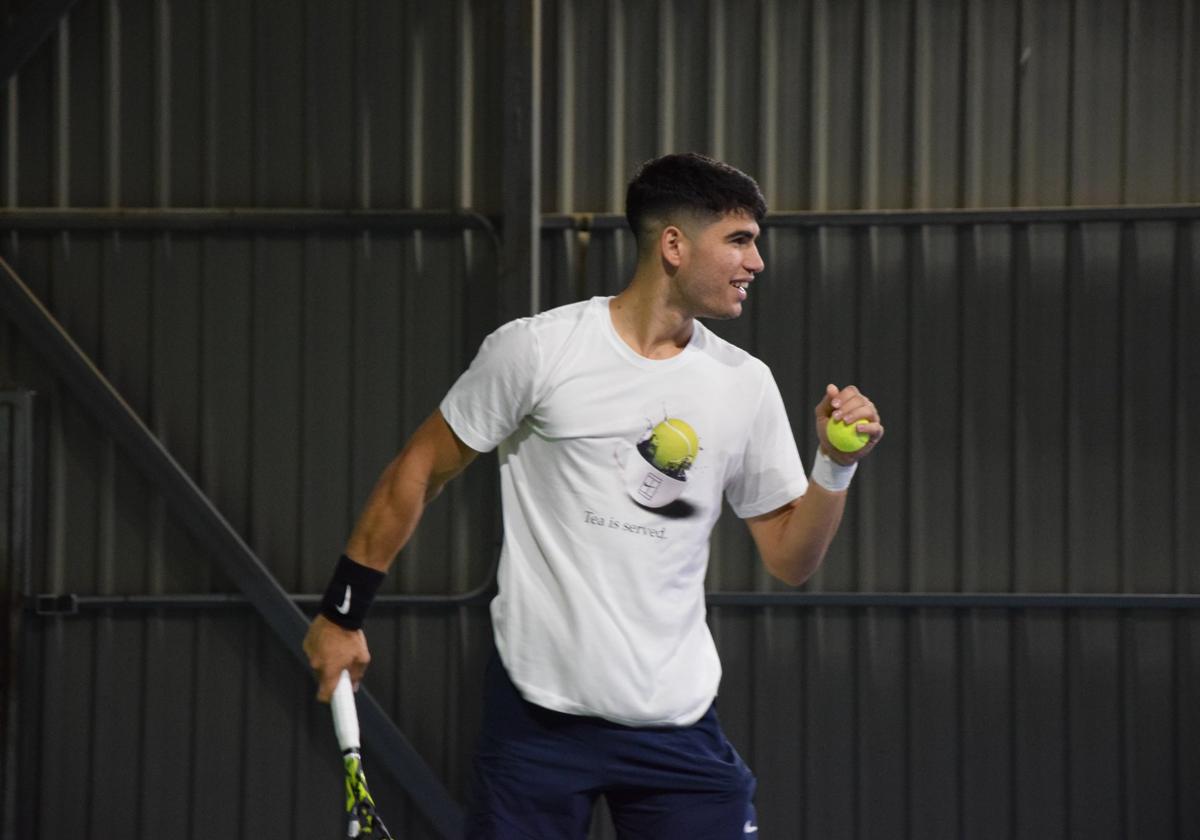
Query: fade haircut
(690, 184)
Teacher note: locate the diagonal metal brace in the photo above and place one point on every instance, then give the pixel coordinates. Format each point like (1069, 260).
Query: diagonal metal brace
(390, 749)
(26, 33)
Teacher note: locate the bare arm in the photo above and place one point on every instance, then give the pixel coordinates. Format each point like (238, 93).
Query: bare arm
(793, 539)
(432, 456)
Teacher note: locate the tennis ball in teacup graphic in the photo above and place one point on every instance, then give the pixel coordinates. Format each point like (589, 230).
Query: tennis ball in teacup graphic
(657, 476)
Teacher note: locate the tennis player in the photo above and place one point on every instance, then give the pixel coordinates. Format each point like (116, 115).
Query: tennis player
(621, 424)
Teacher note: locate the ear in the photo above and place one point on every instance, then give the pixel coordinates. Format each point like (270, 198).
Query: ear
(672, 245)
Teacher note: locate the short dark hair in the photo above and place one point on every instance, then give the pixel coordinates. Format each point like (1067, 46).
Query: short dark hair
(691, 183)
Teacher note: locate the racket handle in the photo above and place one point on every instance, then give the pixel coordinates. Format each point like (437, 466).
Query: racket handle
(345, 714)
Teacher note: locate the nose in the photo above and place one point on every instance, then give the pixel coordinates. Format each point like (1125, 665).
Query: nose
(754, 261)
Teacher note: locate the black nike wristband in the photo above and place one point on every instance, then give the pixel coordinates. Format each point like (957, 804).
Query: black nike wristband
(350, 593)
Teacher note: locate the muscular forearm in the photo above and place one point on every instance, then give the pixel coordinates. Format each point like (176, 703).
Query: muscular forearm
(390, 516)
(410, 482)
(797, 538)
(432, 457)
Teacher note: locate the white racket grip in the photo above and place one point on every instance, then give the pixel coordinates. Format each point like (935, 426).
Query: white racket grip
(345, 714)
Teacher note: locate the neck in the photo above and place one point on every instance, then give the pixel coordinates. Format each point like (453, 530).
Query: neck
(646, 319)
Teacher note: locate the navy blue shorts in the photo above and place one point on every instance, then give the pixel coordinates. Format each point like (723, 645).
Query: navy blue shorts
(538, 774)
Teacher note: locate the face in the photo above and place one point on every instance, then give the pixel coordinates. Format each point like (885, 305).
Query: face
(715, 265)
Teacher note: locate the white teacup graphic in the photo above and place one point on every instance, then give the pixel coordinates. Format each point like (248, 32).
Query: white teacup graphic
(655, 472)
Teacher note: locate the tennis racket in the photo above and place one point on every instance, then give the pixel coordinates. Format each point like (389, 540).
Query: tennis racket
(361, 819)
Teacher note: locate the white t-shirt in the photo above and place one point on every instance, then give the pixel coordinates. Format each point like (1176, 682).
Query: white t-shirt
(612, 468)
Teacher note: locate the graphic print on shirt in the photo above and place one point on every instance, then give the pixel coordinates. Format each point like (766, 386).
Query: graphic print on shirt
(655, 472)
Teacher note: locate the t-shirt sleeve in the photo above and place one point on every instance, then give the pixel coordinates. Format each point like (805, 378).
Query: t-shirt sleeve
(771, 473)
(490, 399)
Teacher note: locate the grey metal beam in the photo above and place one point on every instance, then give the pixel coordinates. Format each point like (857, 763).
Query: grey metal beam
(519, 293)
(26, 33)
(252, 220)
(236, 220)
(70, 604)
(958, 600)
(877, 218)
(211, 530)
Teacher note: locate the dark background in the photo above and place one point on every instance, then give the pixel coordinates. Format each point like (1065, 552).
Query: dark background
(1036, 369)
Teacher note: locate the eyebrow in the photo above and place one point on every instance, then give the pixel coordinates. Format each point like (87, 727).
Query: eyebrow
(739, 233)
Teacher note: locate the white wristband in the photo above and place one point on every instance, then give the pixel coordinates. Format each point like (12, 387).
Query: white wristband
(830, 474)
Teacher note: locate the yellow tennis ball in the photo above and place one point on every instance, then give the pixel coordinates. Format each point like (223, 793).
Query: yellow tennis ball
(846, 438)
(674, 444)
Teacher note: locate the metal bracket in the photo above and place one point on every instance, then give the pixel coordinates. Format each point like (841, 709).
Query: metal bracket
(56, 605)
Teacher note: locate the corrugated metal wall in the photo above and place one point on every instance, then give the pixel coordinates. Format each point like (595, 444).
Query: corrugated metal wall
(841, 104)
(1018, 365)
(1036, 381)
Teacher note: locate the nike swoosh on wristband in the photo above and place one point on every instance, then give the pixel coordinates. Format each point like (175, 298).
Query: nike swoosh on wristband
(344, 607)
(749, 828)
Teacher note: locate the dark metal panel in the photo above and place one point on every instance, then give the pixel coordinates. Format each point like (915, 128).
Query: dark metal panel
(333, 109)
(1095, 767)
(168, 682)
(119, 569)
(141, 102)
(1041, 300)
(26, 30)
(986, 725)
(135, 156)
(857, 104)
(325, 354)
(229, 103)
(82, 80)
(879, 531)
(16, 520)
(827, 769)
(774, 745)
(520, 289)
(1042, 146)
(182, 64)
(882, 724)
(64, 751)
(1149, 342)
(1095, 390)
(1149, 696)
(1099, 95)
(938, 118)
(276, 419)
(870, 104)
(934, 766)
(1186, 376)
(888, 98)
(984, 411)
(934, 430)
(991, 61)
(1156, 88)
(1039, 700)
(1186, 721)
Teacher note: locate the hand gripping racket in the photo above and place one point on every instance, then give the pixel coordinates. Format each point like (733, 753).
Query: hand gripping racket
(361, 819)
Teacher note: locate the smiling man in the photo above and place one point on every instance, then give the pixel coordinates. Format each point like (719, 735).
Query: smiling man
(621, 425)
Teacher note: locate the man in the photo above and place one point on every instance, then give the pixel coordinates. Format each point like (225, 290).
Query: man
(621, 422)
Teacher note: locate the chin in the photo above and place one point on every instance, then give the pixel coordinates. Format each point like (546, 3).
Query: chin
(735, 311)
